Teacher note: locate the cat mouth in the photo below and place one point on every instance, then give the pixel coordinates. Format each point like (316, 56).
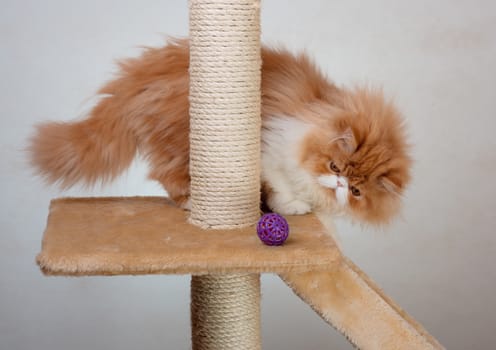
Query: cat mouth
(337, 183)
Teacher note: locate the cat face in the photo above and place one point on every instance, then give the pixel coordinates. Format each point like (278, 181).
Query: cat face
(359, 157)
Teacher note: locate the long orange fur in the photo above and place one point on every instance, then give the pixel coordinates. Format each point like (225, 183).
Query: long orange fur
(145, 109)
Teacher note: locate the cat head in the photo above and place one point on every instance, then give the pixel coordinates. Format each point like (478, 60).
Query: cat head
(359, 156)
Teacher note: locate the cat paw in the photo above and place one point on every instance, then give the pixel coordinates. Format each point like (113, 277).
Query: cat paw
(183, 202)
(186, 205)
(292, 207)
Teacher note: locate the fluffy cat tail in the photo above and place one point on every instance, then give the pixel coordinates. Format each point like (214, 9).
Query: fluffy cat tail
(92, 150)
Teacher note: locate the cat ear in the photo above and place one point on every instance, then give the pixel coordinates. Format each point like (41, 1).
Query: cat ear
(346, 141)
(391, 183)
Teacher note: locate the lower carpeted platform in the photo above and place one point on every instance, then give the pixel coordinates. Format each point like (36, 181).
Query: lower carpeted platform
(148, 235)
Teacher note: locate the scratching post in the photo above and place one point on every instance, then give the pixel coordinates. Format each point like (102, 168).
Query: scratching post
(225, 161)
(225, 311)
(217, 243)
(225, 97)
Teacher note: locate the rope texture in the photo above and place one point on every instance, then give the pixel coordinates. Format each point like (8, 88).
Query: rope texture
(225, 124)
(225, 312)
(225, 99)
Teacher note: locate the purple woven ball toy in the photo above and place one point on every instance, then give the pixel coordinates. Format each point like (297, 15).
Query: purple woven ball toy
(272, 229)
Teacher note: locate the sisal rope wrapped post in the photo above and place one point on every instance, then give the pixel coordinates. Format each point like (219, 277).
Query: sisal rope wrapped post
(225, 112)
(225, 126)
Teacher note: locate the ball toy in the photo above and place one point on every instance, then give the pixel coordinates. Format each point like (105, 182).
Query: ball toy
(272, 229)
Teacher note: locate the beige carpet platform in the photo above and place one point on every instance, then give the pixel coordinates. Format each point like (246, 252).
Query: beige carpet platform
(148, 235)
(140, 235)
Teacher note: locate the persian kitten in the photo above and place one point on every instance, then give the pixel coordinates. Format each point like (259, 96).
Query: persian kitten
(323, 147)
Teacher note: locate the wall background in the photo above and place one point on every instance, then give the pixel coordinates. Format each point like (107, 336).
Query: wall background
(437, 58)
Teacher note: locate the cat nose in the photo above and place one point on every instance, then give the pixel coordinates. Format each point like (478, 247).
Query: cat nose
(341, 182)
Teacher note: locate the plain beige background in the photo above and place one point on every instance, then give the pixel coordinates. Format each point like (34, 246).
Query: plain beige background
(437, 58)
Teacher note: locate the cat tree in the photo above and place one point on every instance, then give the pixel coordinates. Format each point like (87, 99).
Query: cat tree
(217, 244)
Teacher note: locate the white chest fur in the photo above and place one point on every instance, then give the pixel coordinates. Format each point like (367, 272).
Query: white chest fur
(293, 188)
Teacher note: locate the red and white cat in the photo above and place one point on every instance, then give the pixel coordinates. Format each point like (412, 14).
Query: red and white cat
(323, 147)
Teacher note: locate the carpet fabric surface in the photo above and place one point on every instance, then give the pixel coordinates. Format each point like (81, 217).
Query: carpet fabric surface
(148, 235)
(350, 302)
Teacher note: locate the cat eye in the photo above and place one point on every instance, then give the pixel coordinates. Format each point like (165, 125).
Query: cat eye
(334, 167)
(355, 191)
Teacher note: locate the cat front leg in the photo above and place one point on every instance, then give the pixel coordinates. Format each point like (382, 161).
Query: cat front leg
(280, 197)
(285, 204)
